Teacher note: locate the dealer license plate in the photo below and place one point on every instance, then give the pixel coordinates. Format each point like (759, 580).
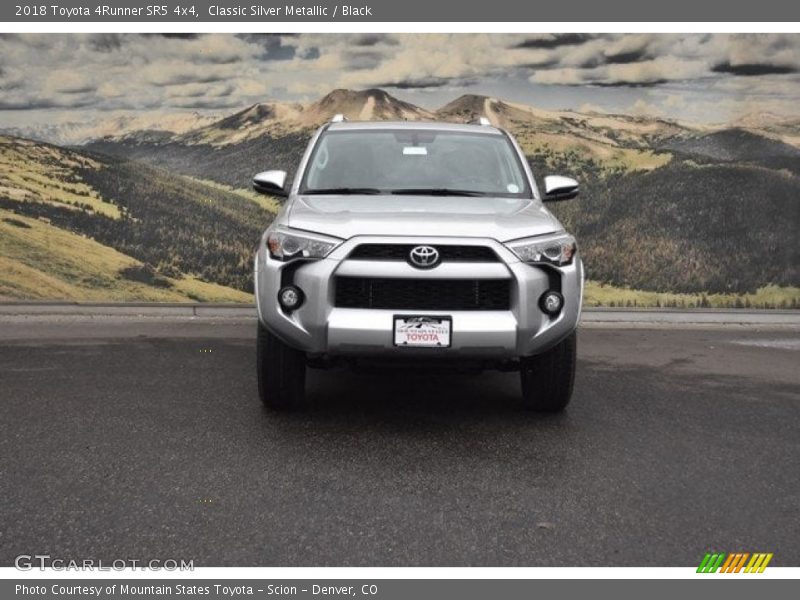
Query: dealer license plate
(422, 331)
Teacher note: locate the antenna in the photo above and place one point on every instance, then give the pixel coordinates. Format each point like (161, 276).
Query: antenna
(338, 118)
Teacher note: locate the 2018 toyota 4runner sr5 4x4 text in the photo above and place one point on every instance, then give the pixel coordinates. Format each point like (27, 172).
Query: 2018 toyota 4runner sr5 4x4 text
(416, 244)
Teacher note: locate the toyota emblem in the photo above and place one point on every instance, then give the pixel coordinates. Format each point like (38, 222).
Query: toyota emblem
(424, 257)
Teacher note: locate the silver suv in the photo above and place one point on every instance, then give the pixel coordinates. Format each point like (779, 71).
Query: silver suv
(416, 244)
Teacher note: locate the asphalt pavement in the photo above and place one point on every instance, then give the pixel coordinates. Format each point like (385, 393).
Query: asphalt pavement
(144, 438)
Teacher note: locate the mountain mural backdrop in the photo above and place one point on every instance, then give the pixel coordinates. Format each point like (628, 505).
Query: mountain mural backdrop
(670, 213)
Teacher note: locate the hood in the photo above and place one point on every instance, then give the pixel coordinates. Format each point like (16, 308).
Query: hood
(502, 219)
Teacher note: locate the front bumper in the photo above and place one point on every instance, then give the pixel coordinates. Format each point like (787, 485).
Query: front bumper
(320, 328)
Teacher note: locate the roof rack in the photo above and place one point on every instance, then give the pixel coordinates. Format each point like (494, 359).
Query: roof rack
(483, 121)
(338, 118)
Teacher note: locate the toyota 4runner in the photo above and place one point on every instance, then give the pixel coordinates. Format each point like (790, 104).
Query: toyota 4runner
(409, 243)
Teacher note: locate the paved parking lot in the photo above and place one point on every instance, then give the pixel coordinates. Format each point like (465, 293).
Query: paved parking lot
(145, 438)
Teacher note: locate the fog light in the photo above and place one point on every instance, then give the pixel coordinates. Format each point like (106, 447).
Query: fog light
(290, 297)
(551, 303)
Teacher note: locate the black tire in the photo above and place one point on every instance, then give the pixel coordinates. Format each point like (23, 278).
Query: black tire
(548, 378)
(281, 372)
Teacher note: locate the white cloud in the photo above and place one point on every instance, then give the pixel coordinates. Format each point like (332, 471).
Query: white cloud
(148, 72)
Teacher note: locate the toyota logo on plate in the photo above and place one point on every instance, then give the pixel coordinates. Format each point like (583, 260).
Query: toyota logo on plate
(424, 257)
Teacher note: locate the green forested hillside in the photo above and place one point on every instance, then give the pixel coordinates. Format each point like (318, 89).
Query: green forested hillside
(686, 226)
(233, 164)
(162, 231)
(734, 145)
(39, 261)
(664, 208)
(178, 225)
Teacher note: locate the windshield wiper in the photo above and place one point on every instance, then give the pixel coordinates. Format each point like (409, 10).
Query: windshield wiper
(436, 192)
(343, 190)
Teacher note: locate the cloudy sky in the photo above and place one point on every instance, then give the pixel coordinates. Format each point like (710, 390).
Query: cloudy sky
(58, 78)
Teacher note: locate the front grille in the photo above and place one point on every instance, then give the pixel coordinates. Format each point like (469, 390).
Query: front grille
(447, 253)
(423, 294)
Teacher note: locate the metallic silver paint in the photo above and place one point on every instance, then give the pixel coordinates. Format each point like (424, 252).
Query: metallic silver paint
(318, 327)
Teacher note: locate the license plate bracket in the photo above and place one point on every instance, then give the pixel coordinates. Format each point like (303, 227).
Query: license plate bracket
(422, 331)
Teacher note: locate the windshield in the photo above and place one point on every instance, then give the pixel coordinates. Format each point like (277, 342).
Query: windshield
(409, 161)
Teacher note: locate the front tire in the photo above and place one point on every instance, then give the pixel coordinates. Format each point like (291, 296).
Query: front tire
(548, 378)
(281, 372)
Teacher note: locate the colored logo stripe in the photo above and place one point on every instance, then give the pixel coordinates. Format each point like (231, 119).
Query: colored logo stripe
(728, 565)
(711, 562)
(758, 563)
(734, 562)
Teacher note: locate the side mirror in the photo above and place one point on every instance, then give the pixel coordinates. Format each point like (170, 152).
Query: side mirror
(558, 188)
(271, 183)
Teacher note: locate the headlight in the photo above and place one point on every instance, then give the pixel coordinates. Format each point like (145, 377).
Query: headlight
(286, 244)
(558, 249)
